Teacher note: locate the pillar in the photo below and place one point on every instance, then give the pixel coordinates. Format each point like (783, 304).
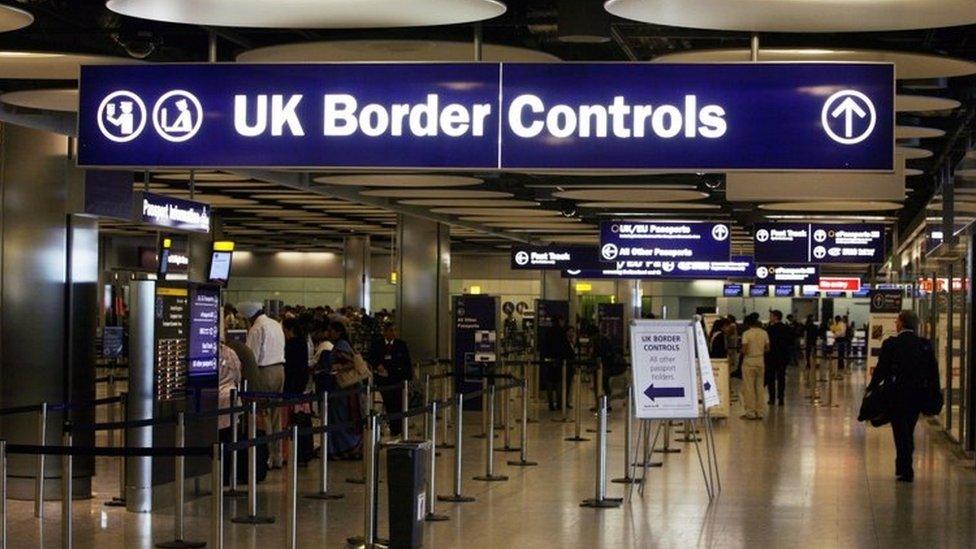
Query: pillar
(423, 287)
(48, 302)
(629, 293)
(355, 268)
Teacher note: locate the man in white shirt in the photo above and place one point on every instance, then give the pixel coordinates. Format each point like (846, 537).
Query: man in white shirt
(266, 339)
(755, 345)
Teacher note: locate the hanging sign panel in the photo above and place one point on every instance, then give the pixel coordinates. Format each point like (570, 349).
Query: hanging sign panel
(737, 267)
(554, 258)
(664, 241)
(733, 116)
(792, 274)
(819, 243)
(663, 369)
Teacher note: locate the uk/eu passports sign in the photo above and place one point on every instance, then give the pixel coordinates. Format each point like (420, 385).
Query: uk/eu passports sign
(480, 116)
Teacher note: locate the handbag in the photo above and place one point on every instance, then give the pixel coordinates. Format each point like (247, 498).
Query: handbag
(931, 401)
(876, 404)
(356, 371)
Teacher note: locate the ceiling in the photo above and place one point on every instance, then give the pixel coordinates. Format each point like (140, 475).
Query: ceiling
(311, 211)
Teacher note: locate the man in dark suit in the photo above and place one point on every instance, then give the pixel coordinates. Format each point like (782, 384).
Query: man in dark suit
(781, 343)
(390, 359)
(908, 361)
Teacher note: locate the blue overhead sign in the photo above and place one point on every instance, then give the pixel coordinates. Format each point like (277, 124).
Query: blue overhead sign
(754, 116)
(554, 257)
(792, 274)
(664, 241)
(819, 243)
(737, 267)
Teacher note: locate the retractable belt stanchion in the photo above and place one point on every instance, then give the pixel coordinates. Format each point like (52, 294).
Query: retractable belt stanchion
(427, 403)
(577, 429)
(362, 462)
(3, 494)
(628, 441)
(507, 419)
(431, 515)
(235, 424)
(445, 445)
(523, 430)
(405, 407)
(120, 500)
(292, 491)
(216, 498)
(323, 492)
(372, 469)
(252, 473)
(490, 475)
(484, 411)
(67, 471)
(179, 494)
(39, 481)
(564, 417)
(600, 499)
(456, 497)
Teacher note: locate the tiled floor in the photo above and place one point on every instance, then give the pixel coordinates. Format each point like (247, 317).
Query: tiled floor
(805, 477)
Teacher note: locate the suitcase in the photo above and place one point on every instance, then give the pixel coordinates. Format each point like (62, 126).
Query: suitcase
(306, 444)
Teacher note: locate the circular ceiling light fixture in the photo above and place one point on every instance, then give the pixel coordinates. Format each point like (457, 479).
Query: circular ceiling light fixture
(798, 15)
(832, 206)
(469, 202)
(435, 193)
(917, 132)
(389, 50)
(12, 18)
(398, 180)
(635, 194)
(924, 103)
(500, 212)
(199, 176)
(60, 100)
(912, 153)
(37, 65)
(627, 206)
(309, 14)
(908, 65)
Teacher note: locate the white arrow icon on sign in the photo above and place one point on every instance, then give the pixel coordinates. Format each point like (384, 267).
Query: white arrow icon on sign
(853, 107)
(848, 109)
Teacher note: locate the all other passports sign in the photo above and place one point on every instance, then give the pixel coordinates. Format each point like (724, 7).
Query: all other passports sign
(664, 241)
(754, 116)
(663, 367)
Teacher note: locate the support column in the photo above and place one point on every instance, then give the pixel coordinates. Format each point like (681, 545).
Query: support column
(423, 288)
(48, 289)
(629, 293)
(554, 286)
(355, 266)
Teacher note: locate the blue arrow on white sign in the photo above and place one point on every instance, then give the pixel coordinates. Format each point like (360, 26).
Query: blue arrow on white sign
(653, 392)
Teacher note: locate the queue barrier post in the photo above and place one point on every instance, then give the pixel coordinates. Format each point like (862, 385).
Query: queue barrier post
(427, 403)
(179, 492)
(490, 475)
(445, 444)
(67, 471)
(523, 430)
(484, 410)
(361, 479)
(217, 499)
(370, 453)
(431, 515)
(628, 441)
(39, 481)
(456, 497)
(119, 501)
(577, 429)
(405, 407)
(564, 416)
(600, 499)
(507, 429)
(292, 491)
(323, 492)
(3, 494)
(252, 516)
(235, 424)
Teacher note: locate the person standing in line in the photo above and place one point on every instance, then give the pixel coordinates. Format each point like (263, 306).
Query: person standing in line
(781, 341)
(839, 328)
(909, 363)
(755, 345)
(266, 339)
(733, 343)
(390, 359)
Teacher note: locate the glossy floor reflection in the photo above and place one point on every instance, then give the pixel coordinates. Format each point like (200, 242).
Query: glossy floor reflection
(804, 477)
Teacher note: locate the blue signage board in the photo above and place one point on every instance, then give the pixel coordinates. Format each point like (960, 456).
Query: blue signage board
(819, 243)
(204, 341)
(758, 290)
(173, 213)
(792, 274)
(664, 241)
(785, 290)
(554, 257)
(865, 291)
(732, 290)
(475, 329)
(835, 294)
(737, 267)
(731, 116)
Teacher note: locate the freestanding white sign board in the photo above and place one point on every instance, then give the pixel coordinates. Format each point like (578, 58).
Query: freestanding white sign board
(710, 392)
(663, 369)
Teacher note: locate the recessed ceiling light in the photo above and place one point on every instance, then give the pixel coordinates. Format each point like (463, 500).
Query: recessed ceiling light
(650, 205)
(633, 194)
(390, 50)
(465, 202)
(515, 212)
(399, 180)
(34, 65)
(61, 100)
(832, 206)
(435, 193)
(924, 103)
(305, 14)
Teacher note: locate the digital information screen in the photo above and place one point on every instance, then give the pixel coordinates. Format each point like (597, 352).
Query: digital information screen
(783, 290)
(220, 267)
(204, 347)
(759, 290)
(732, 290)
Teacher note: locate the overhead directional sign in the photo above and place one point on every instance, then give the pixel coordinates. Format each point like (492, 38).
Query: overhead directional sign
(555, 257)
(737, 267)
(663, 369)
(755, 116)
(793, 274)
(839, 284)
(819, 243)
(173, 213)
(664, 241)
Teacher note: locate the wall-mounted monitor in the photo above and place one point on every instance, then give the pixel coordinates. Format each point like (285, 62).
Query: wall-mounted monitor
(732, 290)
(759, 290)
(220, 262)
